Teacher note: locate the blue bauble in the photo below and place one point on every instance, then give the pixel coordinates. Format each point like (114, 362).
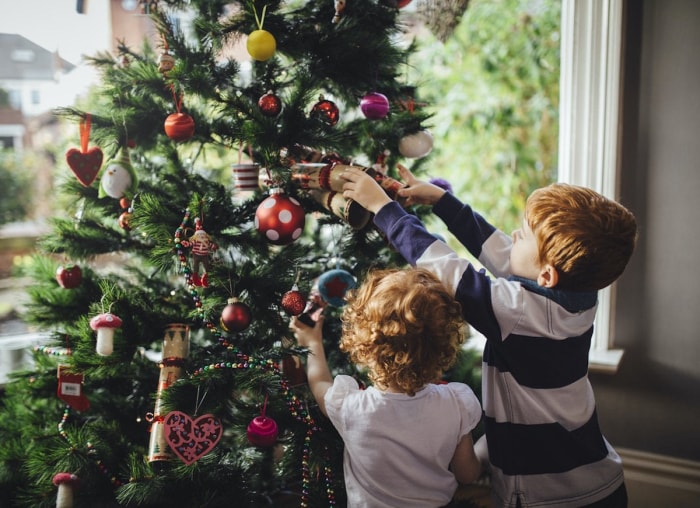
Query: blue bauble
(333, 284)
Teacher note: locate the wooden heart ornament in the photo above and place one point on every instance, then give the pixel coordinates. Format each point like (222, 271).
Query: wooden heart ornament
(85, 165)
(191, 439)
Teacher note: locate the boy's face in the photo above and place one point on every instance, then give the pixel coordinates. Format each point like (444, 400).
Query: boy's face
(524, 256)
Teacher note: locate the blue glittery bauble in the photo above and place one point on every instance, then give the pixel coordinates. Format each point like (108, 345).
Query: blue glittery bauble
(333, 284)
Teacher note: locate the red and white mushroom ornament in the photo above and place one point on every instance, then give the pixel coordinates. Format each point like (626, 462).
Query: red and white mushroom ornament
(65, 482)
(105, 324)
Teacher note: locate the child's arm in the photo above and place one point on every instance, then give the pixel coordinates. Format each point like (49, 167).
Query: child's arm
(418, 192)
(465, 465)
(317, 371)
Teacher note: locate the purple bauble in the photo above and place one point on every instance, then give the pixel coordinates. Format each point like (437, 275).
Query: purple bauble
(374, 105)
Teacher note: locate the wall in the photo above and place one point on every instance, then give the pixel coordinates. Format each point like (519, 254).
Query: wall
(652, 404)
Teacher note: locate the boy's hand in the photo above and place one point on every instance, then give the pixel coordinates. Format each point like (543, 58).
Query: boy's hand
(307, 336)
(418, 192)
(363, 189)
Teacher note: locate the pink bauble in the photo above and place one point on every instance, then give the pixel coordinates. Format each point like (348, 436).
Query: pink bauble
(262, 431)
(280, 218)
(374, 106)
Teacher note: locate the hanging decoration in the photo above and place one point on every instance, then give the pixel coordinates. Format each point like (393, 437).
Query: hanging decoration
(261, 44)
(416, 145)
(262, 430)
(69, 276)
(325, 111)
(118, 178)
(280, 218)
(179, 126)
(375, 106)
(176, 349)
(236, 316)
(85, 163)
(334, 284)
(105, 324)
(166, 61)
(201, 248)
(293, 301)
(191, 439)
(70, 389)
(270, 104)
(66, 483)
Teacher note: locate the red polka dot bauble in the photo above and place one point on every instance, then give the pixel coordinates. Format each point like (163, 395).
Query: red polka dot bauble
(262, 431)
(293, 301)
(280, 218)
(236, 316)
(374, 106)
(270, 104)
(179, 126)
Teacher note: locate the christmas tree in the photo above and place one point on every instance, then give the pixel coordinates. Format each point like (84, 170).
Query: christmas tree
(211, 182)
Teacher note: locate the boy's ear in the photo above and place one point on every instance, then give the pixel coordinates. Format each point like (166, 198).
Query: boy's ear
(548, 276)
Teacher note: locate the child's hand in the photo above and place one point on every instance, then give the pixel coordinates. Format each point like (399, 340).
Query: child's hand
(363, 189)
(418, 192)
(307, 336)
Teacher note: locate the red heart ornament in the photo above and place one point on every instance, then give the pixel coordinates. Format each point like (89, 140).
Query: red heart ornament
(191, 439)
(85, 165)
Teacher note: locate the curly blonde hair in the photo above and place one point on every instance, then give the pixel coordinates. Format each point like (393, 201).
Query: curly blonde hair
(404, 326)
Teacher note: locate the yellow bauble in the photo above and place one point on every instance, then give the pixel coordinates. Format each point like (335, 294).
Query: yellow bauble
(261, 45)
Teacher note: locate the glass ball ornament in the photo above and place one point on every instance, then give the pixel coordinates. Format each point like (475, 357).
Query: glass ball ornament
(262, 431)
(236, 316)
(374, 106)
(417, 145)
(270, 104)
(326, 111)
(293, 301)
(261, 45)
(333, 286)
(179, 126)
(280, 218)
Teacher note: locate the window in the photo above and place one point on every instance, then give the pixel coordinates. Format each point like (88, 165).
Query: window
(590, 79)
(36, 97)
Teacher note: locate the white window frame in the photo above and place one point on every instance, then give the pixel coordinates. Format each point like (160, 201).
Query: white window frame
(589, 125)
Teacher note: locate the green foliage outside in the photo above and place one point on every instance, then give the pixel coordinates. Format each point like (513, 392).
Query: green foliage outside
(494, 90)
(15, 186)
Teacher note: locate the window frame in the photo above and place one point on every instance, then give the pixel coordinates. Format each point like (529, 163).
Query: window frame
(589, 127)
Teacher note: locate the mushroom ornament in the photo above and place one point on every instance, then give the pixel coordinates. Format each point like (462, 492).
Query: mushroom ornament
(65, 482)
(105, 324)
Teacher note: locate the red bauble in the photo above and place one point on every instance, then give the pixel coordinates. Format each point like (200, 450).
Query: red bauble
(374, 106)
(400, 3)
(69, 277)
(280, 218)
(293, 301)
(270, 104)
(236, 316)
(262, 431)
(179, 126)
(124, 219)
(326, 111)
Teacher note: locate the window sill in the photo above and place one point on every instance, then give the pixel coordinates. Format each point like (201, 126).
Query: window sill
(605, 361)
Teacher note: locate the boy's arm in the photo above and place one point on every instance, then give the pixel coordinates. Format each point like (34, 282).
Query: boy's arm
(317, 371)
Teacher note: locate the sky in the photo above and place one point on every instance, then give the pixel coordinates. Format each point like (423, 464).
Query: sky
(55, 25)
